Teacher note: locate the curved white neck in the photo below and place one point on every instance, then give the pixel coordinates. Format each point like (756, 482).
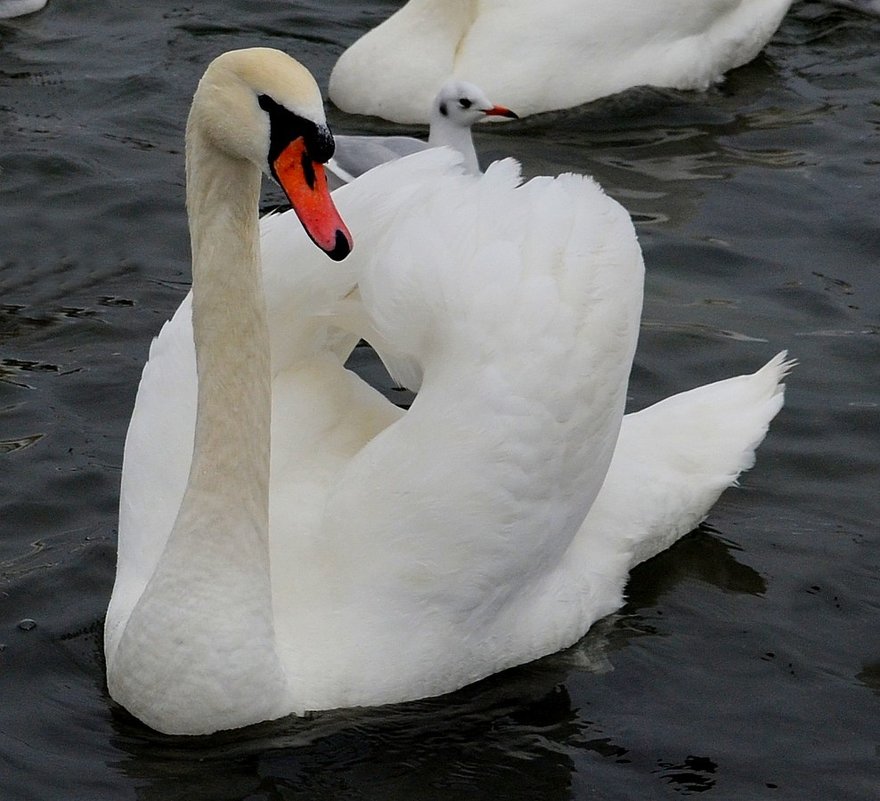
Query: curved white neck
(231, 450)
(206, 612)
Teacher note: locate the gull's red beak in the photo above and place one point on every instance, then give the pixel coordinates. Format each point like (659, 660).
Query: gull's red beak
(501, 111)
(305, 184)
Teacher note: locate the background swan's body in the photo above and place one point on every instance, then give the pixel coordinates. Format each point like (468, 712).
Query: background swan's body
(538, 57)
(455, 109)
(403, 555)
(18, 8)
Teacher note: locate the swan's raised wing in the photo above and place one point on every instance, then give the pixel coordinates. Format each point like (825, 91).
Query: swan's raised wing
(515, 309)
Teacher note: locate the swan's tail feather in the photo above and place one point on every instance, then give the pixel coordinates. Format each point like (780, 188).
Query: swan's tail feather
(675, 458)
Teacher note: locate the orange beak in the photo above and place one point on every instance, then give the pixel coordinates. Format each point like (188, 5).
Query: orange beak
(305, 184)
(501, 111)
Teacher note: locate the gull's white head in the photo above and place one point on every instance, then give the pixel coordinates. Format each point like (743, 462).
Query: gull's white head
(462, 104)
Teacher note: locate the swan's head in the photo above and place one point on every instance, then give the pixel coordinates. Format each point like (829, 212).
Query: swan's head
(462, 104)
(261, 105)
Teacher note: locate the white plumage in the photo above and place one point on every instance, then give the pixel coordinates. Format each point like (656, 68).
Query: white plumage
(18, 8)
(536, 57)
(378, 555)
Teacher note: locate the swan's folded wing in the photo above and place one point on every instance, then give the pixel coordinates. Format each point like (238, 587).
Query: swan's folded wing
(156, 462)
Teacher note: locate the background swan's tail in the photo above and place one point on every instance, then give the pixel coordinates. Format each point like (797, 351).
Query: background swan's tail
(676, 457)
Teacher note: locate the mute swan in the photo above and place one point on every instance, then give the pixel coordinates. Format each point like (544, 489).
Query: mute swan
(538, 57)
(374, 555)
(18, 8)
(457, 106)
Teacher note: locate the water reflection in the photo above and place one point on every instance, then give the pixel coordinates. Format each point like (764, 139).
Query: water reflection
(503, 738)
(11, 371)
(704, 555)
(12, 445)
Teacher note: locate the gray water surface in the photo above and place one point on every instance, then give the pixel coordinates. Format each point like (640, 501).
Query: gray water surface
(746, 662)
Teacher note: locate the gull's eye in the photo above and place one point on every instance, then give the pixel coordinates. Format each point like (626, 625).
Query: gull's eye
(464, 102)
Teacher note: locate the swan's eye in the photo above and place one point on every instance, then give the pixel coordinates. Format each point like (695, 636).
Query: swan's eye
(464, 102)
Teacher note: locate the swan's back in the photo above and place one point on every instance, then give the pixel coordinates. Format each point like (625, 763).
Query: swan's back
(538, 57)
(515, 311)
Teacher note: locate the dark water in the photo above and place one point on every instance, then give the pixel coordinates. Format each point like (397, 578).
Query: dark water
(746, 663)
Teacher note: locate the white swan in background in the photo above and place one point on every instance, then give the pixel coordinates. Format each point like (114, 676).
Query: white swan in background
(454, 110)
(372, 555)
(18, 8)
(538, 57)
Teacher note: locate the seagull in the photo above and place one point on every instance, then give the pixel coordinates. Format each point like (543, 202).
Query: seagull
(456, 107)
